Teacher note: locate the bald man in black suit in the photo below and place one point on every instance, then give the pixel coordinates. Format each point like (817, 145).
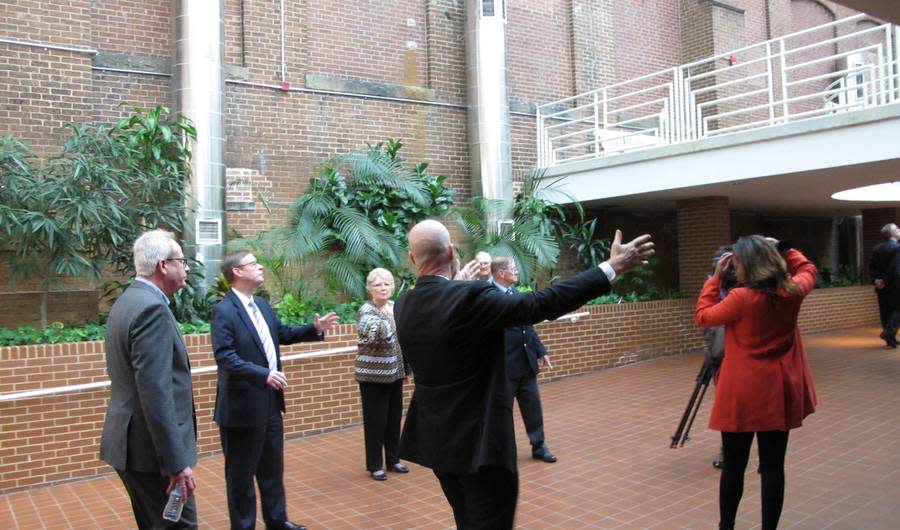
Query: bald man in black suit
(459, 422)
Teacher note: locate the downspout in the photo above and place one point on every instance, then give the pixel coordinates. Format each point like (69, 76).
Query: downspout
(199, 95)
(488, 104)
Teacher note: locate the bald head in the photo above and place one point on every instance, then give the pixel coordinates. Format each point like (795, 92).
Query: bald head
(430, 248)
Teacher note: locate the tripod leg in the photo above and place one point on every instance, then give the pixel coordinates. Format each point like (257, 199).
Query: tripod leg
(694, 414)
(684, 417)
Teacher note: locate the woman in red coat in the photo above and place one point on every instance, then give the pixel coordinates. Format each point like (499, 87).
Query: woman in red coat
(765, 384)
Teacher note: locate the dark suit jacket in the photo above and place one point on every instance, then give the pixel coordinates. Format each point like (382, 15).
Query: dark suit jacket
(523, 348)
(241, 391)
(880, 262)
(150, 424)
(451, 333)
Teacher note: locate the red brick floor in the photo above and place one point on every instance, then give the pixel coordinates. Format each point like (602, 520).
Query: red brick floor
(610, 430)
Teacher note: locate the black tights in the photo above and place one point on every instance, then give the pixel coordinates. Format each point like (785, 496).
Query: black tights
(736, 449)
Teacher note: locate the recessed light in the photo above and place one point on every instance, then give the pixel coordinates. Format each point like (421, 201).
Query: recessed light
(889, 191)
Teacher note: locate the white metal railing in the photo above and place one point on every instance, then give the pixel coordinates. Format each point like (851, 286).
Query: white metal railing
(837, 67)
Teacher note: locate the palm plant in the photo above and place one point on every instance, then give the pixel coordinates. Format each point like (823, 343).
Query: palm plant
(522, 239)
(589, 249)
(355, 215)
(532, 237)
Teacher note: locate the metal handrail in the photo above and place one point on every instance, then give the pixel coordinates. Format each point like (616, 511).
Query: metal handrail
(687, 106)
(14, 396)
(57, 390)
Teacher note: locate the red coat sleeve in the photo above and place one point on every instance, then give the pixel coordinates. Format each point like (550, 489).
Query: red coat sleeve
(710, 312)
(803, 271)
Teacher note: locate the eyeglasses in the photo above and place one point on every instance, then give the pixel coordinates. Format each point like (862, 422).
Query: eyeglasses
(245, 265)
(183, 261)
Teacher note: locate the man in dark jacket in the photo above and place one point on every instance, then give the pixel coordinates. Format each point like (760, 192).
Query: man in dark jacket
(459, 422)
(524, 350)
(246, 334)
(882, 270)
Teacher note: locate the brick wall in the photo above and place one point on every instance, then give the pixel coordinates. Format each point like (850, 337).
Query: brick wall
(703, 226)
(53, 438)
(539, 50)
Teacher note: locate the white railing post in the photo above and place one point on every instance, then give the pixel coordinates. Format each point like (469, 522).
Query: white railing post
(596, 125)
(605, 109)
(770, 89)
(889, 64)
(539, 137)
(677, 125)
(784, 94)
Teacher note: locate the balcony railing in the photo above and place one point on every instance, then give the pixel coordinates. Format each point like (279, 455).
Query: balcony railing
(838, 67)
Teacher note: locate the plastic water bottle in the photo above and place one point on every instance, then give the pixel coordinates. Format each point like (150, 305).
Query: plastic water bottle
(174, 506)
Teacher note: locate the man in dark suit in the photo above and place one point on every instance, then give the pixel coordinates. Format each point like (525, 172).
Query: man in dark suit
(150, 431)
(246, 334)
(459, 422)
(882, 267)
(524, 350)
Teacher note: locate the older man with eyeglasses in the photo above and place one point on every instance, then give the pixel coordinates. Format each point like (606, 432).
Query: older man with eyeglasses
(150, 431)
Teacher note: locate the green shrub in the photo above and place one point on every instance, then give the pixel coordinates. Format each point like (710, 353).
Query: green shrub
(294, 311)
(77, 213)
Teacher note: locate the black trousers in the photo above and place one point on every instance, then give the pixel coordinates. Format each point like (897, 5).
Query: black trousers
(255, 453)
(483, 500)
(147, 492)
(886, 308)
(382, 407)
(525, 390)
(736, 449)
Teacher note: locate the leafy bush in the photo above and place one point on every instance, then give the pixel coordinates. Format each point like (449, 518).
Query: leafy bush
(53, 333)
(582, 238)
(78, 212)
(293, 311)
(843, 277)
(631, 296)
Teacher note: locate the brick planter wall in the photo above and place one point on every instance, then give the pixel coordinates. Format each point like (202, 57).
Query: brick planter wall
(54, 438)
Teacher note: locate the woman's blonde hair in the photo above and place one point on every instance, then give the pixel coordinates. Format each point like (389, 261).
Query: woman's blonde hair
(764, 268)
(377, 274)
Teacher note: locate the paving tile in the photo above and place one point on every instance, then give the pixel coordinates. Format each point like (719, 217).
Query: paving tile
(611, 432)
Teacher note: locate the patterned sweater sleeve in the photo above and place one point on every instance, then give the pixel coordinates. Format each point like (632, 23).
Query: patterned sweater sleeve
(371, 330)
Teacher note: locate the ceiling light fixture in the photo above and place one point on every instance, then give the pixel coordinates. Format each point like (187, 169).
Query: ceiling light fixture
(889, 191)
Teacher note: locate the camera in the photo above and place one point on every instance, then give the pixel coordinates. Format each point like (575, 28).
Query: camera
(729, 280)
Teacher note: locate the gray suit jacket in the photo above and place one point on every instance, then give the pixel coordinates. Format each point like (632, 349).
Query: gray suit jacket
(150, 422)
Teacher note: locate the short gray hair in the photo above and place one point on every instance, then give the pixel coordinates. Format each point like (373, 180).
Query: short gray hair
(151, 248)
(887, 230)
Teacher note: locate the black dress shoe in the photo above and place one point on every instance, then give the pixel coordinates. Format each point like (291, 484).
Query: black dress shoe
(542, 453)
(398, 468)
(379, 475)
(287, 525)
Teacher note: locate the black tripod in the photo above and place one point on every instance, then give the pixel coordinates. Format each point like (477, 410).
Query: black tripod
(707, 371)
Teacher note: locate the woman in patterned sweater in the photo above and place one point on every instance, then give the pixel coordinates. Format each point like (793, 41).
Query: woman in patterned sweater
(380, 372)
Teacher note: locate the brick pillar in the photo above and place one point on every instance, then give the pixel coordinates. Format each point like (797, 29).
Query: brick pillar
(872, 221)
(704, 225)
